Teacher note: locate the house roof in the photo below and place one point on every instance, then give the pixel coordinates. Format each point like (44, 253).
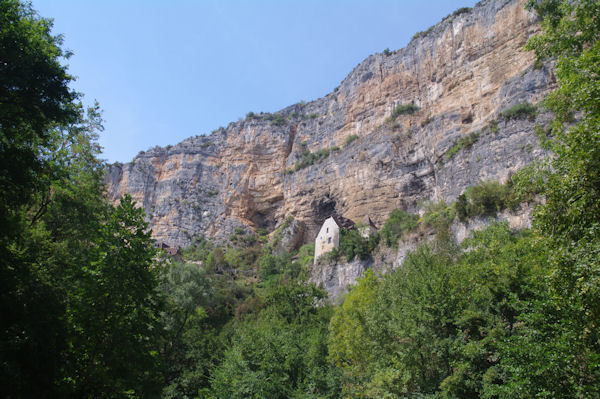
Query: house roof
(343, 223)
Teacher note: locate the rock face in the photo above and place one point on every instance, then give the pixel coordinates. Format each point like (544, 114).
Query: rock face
(461, 74)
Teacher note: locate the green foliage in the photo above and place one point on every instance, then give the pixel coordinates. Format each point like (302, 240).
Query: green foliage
(281, 354)
(76, 282)
(404, 109)
(520, 111)
(387, 52)
(353, 244)
(112, 308)
(184, 359)
(431, 328)
(350, 139)
(569, 219)
(438, 215)
(396, 225)
(307, 158)
(484, 199)
(36, 97)
(422, 33)
(350, 344)
(270, 265)
(462, 10)
(278, 120)
(306, 254)
(544, 134)
(462, 143)
(493, 127)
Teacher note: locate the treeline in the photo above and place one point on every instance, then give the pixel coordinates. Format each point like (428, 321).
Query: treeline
(90, 310)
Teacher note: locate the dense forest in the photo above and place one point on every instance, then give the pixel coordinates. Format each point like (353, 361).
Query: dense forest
(89, 309)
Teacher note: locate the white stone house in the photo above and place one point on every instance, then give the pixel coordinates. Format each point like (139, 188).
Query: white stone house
(329, 235)
(328, 238)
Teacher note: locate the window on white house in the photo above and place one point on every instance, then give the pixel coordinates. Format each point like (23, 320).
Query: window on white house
(329, 240)
(327, 230)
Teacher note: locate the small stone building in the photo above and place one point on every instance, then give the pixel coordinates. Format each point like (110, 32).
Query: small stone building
(329, 235)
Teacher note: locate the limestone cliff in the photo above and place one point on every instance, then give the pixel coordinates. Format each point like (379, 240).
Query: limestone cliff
(461, 74)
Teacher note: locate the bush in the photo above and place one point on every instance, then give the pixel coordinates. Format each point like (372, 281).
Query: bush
(520, 111)
(307, 158)
(396, 225)
(350, 139)
(462, 10)
(404, 109)
(464, 142)
(438, 215)
(353, 244)
(422, 33)
(484, 199)
(270, 265)
(278, 120)
(493, 127)
(387, 52)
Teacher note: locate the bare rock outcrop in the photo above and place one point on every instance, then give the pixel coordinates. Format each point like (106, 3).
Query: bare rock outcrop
(353, 157)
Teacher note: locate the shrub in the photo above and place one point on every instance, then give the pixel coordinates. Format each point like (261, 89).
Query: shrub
(278, 120)
(404, 109)
(396, 225)
(438, 215)
(525, 185)
(314, 115)
(350, 139)
(520, 111)
(307, 158)
(422, 33)
(269, 265)
(261, 231)
(484, 199)
(352, 244)
(544, 134)
(464, 142)
(493, 127)
(462, 10)
(250, 115)
(387, 52)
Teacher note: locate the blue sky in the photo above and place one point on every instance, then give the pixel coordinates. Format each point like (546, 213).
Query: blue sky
(163, 71)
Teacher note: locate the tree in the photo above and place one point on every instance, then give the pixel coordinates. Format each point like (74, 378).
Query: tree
(350, 341)
(112, 310)
(282, 353)
(566, 326)
(77, 281)
(187, 344)
(35, 104)
(34, 98)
